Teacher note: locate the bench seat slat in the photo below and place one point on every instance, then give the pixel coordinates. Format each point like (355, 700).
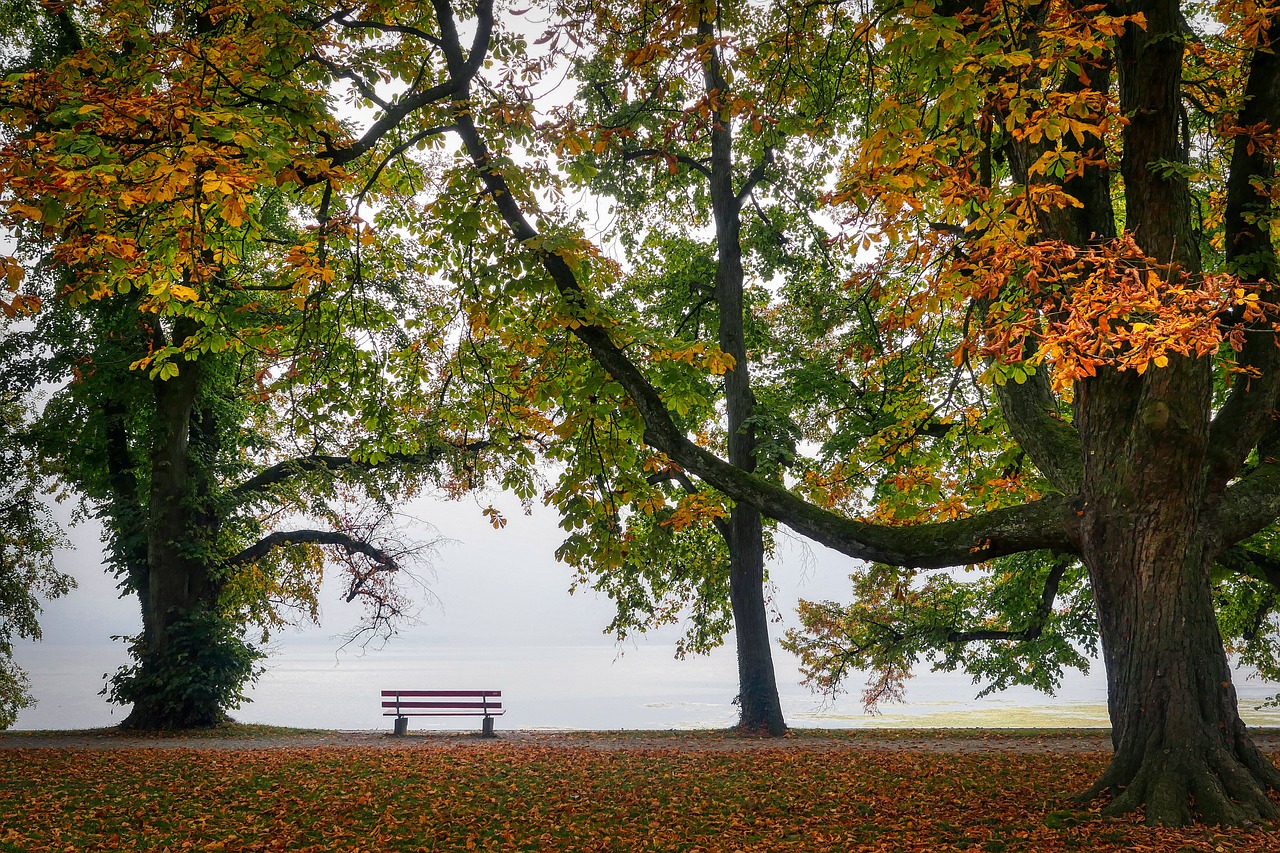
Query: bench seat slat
(439, 714)
(476, 705)
(431, 693)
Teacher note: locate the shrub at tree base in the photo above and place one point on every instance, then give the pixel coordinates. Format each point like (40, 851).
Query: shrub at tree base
(200, 672)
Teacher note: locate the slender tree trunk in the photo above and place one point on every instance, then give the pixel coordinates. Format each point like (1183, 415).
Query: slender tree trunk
(760, 706)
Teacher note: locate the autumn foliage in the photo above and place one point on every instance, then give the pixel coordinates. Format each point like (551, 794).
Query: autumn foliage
(832, 796)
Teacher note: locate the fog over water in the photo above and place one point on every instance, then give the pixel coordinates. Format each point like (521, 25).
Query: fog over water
(506, 621)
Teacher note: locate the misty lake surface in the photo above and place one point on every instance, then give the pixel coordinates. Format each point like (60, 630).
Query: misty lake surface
(497, 615)
(550, 687)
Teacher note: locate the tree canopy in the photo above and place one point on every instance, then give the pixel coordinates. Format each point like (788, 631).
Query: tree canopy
(935, 283)
(251, 366)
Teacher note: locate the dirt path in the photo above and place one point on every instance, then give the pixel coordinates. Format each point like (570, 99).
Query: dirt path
(925, 740)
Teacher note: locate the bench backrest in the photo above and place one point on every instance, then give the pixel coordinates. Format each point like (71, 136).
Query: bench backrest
(441, 701)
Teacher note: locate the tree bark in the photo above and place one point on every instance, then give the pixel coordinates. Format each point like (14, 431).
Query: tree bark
(1180, 745)
(1181, 749)
(180, 533)
(1148, 540)
(760, 708)
(1150, 532)
(758, 701)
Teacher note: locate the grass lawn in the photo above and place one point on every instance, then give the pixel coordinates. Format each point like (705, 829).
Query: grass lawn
(499, 796)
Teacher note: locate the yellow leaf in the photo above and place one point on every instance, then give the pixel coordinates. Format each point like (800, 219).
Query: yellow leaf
(28, 211)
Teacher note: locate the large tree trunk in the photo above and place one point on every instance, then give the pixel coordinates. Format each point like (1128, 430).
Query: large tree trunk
(1180, 745)
(1148, 510)
(180, 593)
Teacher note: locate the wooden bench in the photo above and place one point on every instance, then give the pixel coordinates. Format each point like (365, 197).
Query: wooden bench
(403, 704)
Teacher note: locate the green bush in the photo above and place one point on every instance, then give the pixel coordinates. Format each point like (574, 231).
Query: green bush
(194, 681)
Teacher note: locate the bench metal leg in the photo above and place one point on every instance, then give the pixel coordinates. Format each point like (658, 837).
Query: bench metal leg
(402, 726)
(486, 728)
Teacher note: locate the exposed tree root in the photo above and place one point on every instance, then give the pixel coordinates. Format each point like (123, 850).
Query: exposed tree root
(1207, 782)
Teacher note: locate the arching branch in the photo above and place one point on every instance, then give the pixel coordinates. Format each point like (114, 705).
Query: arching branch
(380, 560)
(1048, 523)
(284, 471)
(284, 538)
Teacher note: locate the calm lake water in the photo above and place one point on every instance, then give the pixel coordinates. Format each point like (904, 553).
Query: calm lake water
(575, 688)
(505, 621)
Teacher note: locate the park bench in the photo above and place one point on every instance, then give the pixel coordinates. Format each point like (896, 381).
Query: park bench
(403, 704)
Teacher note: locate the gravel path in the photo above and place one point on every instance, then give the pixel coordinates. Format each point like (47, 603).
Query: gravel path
(940, 740)
(930, 740)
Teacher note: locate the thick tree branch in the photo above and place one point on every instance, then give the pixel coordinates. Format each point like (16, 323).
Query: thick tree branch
(756, 176)
(1048, 523)
(646, 153)
(1246, 415)
(67, 29)
(382, 561)
(1052, 444)
(283, 538)
(1250, 504)
(290, 468)
(1244, 561)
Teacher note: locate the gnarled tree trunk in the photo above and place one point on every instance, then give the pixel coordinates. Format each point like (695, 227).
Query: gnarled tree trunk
(1176, 730)
(1146, 539)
